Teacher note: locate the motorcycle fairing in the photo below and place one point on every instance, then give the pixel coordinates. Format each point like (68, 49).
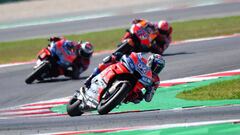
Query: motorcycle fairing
(112, 70)
(44, 53)
(96, 88)
(144, 33)
(136, 63)
(101, 81)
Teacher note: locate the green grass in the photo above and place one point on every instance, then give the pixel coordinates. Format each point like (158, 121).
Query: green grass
(103, 40)
(26, 50)
(206, 28)
(216, 91)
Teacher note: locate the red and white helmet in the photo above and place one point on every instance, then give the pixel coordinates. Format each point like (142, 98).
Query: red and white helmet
(85, 49)
(163, 27)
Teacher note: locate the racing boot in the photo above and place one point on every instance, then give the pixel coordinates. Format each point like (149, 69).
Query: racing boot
(136, 101)
(134, 97)
(139, 98)
(89, 79)
(149, 94)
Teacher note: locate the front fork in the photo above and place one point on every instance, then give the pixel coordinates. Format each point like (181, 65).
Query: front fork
(87, 103)
(125, 47)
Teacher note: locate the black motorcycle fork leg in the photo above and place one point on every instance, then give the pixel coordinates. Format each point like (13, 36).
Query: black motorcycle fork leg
(124, 48)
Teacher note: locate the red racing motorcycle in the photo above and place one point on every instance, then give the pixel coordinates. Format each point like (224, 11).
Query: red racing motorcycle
(138, 39)
(117, 84)
(43, 67)
(46, 67)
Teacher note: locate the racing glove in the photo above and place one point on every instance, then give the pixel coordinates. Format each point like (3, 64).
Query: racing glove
(149, 94)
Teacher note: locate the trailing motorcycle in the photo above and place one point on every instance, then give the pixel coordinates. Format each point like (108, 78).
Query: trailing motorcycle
(118, 83)
(46, 67)
(43, 66)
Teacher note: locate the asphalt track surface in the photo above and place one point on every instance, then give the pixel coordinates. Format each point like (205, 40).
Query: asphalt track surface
(120, 19)
(148, 118)
(183, 60)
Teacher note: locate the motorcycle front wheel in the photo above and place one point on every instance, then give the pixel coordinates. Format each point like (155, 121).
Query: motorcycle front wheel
(37, 73)
(73, 107)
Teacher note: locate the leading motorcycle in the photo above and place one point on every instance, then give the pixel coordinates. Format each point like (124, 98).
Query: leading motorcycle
(138, 39)
(118, 83)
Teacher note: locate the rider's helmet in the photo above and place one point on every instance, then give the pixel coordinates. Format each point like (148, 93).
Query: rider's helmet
(164, 27)
(156, 63)
(85, 49)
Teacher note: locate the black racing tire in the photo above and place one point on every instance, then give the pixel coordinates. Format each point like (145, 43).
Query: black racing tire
(105, 106)
(37, 73)
(73, 107)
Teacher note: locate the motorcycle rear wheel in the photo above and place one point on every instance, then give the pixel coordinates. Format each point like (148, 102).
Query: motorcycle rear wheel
(119, 94)
(73, 107)
(36, 73)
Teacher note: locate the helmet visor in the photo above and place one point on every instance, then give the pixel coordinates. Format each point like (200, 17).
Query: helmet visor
(86, 55)
(163, 32)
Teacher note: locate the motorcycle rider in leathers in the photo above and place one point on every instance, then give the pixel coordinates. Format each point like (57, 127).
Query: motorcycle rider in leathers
(163, 32)
(162, 29)
(70, 54)
(155, 62)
